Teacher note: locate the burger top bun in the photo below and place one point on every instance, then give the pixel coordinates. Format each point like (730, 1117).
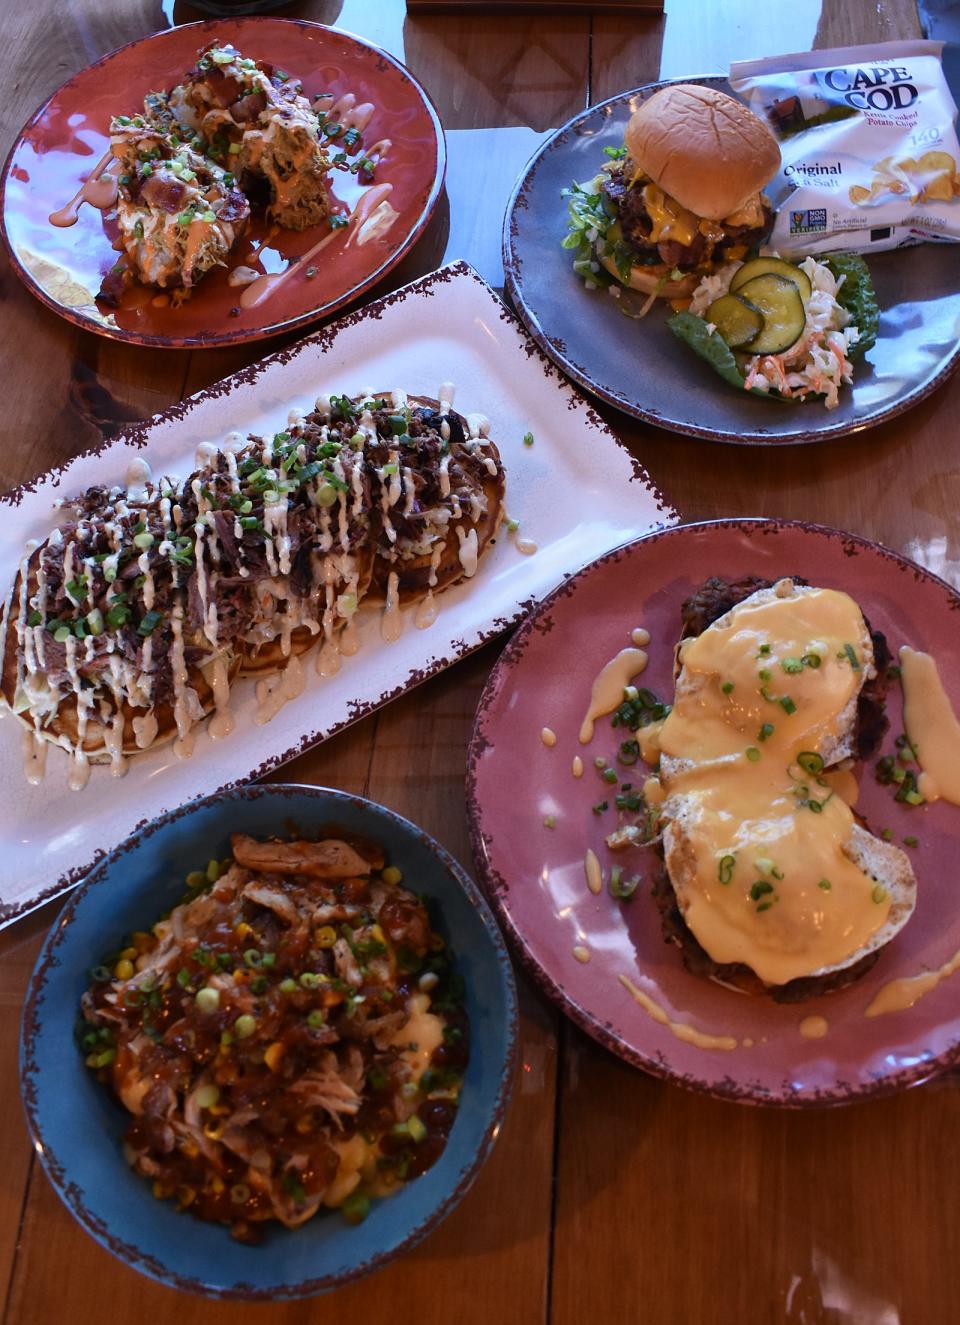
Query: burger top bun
(703, 148)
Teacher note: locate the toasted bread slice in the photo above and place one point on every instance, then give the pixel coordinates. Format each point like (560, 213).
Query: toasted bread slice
(881, 861)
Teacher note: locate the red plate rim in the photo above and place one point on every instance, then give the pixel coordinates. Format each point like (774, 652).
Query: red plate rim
(588, 1021)
(220, 338)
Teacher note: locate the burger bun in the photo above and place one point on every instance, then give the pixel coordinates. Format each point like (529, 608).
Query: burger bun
(703, 148)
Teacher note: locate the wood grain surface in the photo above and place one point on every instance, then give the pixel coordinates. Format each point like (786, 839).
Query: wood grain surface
(610, 1197)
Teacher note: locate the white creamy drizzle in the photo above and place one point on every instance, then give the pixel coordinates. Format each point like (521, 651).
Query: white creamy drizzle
(350, 639)
(410, 491)
(445, 471)
(435, 559)
(275, 691)
(34, 756)
(426, 613)
(391, 623)
(145, 729)
(478, 425)
(469, 551)
(221, 724)
(139, 475)
(183, 745)
(328, 658)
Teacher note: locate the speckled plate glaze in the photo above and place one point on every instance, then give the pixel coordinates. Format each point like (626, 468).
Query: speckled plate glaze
(642, 369)
(446, 326)
(77, 1127)
(535, 876)
(69, 134)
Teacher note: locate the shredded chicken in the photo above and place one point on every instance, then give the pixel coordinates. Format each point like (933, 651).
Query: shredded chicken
(330, 859)
(265, 1024)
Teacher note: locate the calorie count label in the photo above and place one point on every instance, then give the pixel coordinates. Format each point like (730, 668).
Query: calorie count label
(870, 152)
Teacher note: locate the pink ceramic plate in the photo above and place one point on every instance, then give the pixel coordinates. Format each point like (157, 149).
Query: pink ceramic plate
(535, 875)
(67, 136)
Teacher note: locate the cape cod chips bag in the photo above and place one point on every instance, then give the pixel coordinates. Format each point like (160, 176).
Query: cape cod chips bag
(869, 144)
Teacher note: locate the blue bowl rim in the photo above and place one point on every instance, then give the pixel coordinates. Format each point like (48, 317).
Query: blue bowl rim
(30, 1025)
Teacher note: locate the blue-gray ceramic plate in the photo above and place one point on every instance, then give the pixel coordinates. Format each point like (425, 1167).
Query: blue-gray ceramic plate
(77, 1126)
(642, 369)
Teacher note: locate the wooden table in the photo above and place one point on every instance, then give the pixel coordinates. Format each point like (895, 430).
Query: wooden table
(610, 1196)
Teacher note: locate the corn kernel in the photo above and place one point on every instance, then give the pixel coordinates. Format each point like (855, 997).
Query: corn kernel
(326, 936)
(186, 1196)
(143, 941)
(161, 1191)
(378, 934)
(217, 1185)
(304, 1125)
(273, 1054)
(190, 1149)
(391, 875)
(243, 929)
(213, 1131)
(123, 969)
(129, 954)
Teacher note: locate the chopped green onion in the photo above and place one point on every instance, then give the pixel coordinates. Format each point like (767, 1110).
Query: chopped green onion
(811, 660)
(208, 1000)
(825, 884)
(149, 623)
(244, 1026)
(851, 653)
(792, 665)
(725, 868)
(752, 753)
(766, 730)
(810, 762)
(528, 439)
(727, 687)
(879, 894)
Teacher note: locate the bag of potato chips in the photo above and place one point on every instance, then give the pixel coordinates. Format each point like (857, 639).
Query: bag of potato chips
(869, 145)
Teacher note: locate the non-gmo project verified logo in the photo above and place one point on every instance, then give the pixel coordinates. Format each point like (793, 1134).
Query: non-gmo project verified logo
(803, 223)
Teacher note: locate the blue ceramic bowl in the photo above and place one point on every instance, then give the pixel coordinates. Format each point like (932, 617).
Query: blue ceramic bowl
(77, 1126)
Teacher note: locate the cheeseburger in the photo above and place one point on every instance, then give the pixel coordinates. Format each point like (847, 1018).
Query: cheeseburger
(686, 193)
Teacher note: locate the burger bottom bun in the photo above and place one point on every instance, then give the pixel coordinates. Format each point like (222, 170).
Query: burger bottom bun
(647, 278)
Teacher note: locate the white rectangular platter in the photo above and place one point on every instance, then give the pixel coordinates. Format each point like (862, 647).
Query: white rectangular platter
(576, 492)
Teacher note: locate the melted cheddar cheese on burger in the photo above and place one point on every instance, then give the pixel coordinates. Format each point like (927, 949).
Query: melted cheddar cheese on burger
(770, 868)
(687, 194)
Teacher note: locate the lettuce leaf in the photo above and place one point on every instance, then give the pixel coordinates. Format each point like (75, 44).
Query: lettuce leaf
(588, 222)
(857, 296)
(692, 330)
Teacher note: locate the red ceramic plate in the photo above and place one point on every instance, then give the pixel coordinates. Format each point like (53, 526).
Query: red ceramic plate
(68, 135)
(535, 875)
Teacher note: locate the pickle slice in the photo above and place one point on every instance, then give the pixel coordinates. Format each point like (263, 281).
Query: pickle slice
(736, 319)
(783, 313)
(762, 266)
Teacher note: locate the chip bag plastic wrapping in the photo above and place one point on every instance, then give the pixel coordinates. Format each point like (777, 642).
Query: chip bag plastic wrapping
(869, 144)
